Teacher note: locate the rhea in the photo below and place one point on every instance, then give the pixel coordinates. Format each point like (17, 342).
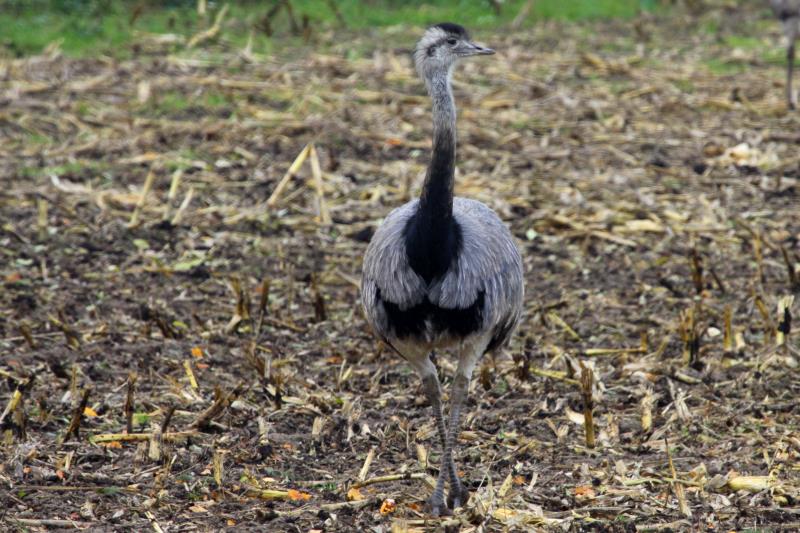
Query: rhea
(443, 272)
(788, 11)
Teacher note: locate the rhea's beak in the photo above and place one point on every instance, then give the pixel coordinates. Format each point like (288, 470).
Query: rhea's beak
(473, 49)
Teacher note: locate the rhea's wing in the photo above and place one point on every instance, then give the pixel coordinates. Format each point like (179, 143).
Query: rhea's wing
(387, 276)
(489, 264)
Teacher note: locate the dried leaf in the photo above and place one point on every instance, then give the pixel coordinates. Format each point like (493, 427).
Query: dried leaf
(354, 494)
(388, 506)
(584, 492)
(573, 416)
(751, 483)
(296, 495)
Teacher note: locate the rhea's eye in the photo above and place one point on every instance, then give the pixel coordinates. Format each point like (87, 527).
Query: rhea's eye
(451, 41)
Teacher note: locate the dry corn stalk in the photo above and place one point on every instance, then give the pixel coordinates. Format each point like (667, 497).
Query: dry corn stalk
(139, 437)
(362, 474)
(727, 332)
(272, 201)
(770, 330)
(324, 216)
(784, 319)
(647, 411)
(689, 336)
(677, 488)
(794, 280)
(587, 379)
(148, 184)
(211, 32)
(553, 317)
(218, 462)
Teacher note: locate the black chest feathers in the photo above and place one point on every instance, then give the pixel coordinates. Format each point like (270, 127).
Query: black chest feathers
(426, 319)
(433, 245)
(433, 249)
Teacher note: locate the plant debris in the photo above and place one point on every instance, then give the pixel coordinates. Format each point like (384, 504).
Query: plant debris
(148, 202)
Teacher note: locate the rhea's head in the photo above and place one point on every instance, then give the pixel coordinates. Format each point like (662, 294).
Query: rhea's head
(441, 47)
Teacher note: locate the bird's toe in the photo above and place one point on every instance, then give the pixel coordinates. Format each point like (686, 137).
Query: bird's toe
(437, 507)
(457, 497)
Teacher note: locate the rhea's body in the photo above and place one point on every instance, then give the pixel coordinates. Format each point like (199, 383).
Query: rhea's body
(443, 272)
(475, 299)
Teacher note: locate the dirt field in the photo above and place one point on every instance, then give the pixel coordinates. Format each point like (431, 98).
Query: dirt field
(205, 329)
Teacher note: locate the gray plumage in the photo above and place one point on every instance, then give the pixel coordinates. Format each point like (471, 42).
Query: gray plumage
(489, 262)
(788, 11)
(443, 272)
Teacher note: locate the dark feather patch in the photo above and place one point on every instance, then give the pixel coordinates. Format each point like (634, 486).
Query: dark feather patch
(432, 247)
(432, 236)
(412, 322)
(453, 29)
(500, 335)
(787, 13)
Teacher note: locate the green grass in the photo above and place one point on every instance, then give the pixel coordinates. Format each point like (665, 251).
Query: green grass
(774, 56)
(86, 27)
(710, 27)
(174, 102)
(586, 9)
(724, 67)
(38, 139)
(471, 13)
(73, 168)
(685, 86)
(744, 42)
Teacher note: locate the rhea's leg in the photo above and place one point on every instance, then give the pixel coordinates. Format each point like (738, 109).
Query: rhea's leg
(458, 494)
(433, 391)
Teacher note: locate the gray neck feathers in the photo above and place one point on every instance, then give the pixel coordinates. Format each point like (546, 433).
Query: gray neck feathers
(444, 106)
(436, 199)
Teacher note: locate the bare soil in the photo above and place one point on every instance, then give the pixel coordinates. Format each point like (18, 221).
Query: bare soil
(652, 193)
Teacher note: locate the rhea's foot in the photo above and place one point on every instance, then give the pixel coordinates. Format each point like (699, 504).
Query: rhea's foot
(458, 495)
(436, 506)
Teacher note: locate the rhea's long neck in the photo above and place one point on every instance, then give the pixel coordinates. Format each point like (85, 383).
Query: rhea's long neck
(432, 239)
(436, 199)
